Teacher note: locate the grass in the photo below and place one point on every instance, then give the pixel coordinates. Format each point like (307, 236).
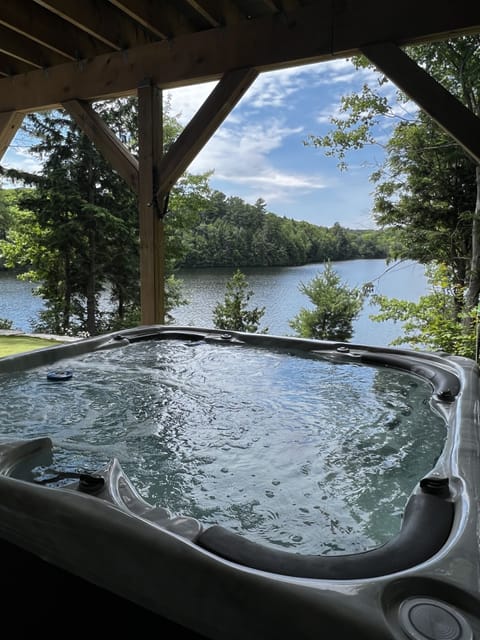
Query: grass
(18, 344)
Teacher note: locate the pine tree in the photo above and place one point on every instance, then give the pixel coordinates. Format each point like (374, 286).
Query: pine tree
(233, 314)
(78, 233)
(336, 306)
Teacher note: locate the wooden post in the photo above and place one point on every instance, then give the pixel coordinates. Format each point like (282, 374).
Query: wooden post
(150, 207)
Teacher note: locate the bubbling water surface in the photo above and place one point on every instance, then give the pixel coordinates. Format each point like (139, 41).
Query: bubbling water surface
(288, 449)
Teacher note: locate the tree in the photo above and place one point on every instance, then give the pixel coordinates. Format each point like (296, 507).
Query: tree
(336, 306)
(71, 228)
(5, 215)
(233, 233)
(428, 189)
(79, 233)
(233, 314)
(432, 323)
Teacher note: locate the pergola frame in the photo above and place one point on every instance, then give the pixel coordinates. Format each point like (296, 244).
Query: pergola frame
(233, 51)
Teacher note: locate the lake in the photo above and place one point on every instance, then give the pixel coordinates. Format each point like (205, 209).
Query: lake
(275, 288)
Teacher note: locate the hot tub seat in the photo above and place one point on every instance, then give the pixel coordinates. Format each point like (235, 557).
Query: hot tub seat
(416, 542)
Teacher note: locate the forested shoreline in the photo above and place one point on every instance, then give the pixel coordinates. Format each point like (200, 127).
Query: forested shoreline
(229, 232)
(232, 233)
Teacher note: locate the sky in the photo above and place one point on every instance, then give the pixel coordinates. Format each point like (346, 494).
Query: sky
(259, 150)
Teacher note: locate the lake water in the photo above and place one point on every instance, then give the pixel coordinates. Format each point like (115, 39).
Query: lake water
(275, 288)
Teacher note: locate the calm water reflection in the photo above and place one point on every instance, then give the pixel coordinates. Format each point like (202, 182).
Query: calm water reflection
(275, 288)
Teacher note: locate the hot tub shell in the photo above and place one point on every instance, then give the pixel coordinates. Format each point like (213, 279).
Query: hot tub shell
(425, 585)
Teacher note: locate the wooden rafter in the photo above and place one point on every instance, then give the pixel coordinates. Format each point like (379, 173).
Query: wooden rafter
(49, 30)
(217, 12)
(270, 42)
(110, 26)
(271, 5)
(21, 48)
(162, 19)
(205, 13)
(206, 121)
(142, 14)
(105, 141)
(229, 11)
(12, 65)
(442, 106)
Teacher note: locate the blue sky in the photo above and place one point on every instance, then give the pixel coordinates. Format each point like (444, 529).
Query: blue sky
(258, 152)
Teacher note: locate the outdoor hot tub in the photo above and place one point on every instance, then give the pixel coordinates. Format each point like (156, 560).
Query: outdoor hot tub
(245, 485)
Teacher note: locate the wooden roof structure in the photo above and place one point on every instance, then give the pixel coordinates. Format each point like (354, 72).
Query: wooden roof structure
(68, 53)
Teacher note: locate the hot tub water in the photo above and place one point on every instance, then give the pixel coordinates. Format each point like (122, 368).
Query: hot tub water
(288, 449)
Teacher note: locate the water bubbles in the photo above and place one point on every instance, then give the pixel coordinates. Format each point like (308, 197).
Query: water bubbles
(300, 455)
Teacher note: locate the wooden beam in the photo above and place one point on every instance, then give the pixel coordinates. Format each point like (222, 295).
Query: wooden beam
(461, 123)
(105, 141)
(9, 125)
(203, 125)
(152, 236)
(309, 34)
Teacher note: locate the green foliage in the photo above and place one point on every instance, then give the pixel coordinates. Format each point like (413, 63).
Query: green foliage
(77, 230)
(6, 324)
(432, 323)
(5, 215)
(336, 306)
(428, 197)
(233, 314)
(9, 212)
(232, 233)
(427, 191)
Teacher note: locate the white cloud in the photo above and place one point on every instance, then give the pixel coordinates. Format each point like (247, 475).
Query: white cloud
(185, 101)
(274, 178)
(272, 89)
(19, 157)
(279, 189)
(239, 155)
(330, 111)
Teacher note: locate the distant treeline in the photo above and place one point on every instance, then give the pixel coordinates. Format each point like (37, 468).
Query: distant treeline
(231, 232)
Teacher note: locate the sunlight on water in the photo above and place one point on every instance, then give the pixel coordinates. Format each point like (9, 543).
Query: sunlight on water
(289, 450)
